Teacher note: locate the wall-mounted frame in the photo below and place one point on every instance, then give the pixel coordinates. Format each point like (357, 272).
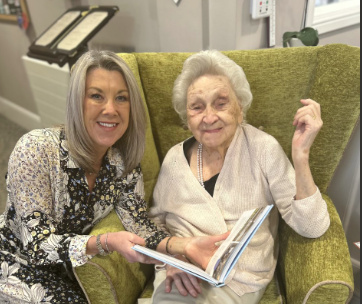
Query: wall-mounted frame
(13, 10)
(332, 15)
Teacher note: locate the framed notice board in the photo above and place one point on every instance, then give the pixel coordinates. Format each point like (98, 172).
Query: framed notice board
(14, 10)
(66, 39)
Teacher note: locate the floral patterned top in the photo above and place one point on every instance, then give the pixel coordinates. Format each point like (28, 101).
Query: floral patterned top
(50, 210)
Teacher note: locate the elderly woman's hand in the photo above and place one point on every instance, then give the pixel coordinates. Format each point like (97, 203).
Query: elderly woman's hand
(200, 249)
(308, 123)
(184, 282)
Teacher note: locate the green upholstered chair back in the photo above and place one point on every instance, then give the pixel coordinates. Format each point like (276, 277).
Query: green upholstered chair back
(150, 163)
(279, 78)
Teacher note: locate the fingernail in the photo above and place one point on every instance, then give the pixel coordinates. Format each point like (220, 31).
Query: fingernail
(194, 294)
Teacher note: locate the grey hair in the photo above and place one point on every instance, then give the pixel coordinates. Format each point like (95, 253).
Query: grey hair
(210, 63)
(132, 144)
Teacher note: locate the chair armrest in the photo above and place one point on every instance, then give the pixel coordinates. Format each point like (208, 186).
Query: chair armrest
(112, 279)
(316, 270)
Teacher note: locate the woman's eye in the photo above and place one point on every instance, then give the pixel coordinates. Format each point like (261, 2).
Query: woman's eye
(121, 98)
(221, 103)
(96, 96)
(196, 107)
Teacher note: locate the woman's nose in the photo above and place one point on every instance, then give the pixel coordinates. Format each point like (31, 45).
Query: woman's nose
(210, 116)
(109, 107)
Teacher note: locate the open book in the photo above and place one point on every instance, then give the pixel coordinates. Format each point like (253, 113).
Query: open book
(228, 253)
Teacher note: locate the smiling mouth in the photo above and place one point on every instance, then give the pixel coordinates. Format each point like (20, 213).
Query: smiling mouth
(212, 131)
(107, 125)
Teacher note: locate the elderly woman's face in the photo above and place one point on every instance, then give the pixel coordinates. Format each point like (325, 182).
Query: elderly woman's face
(213, 112)
(106, 107)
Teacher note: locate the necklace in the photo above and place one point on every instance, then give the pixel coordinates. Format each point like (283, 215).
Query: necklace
(200, 176)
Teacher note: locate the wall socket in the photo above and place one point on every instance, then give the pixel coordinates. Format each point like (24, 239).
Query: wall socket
(260, 8)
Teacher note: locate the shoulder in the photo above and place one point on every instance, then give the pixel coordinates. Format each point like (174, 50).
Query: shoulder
(175, 153)
(37, 149)
(41, 139)
(257, 138)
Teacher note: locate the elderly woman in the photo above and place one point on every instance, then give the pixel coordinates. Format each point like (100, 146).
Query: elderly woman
(62, 181)
(226, 168)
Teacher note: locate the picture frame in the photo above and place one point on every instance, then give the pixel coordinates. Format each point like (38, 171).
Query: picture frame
(12, 16)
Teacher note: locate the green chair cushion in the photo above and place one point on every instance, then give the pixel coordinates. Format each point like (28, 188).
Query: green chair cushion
(324, 265)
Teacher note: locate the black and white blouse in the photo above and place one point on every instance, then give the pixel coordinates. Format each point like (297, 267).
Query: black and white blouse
(50, 212)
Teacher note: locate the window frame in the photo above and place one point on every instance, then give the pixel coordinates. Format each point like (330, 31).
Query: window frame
(334, 16)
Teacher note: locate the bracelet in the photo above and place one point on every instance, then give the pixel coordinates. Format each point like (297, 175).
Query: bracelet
(167, 245)
(108, 251)
(99, 245)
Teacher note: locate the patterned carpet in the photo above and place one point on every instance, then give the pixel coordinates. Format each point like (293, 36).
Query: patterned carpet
(9, 135)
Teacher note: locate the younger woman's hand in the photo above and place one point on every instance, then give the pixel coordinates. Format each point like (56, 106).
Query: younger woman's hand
(122, 242)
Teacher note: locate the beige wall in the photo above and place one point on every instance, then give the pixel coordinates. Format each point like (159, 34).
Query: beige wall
(14, 85)
(153, 26)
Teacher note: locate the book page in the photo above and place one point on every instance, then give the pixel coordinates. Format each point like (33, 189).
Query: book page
(82, 30)
(244, 239)
(57, 28)
(221, 256)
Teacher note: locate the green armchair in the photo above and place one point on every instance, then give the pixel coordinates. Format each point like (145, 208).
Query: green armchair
(308, 270)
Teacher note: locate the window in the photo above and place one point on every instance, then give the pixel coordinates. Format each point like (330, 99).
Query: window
(330, 15)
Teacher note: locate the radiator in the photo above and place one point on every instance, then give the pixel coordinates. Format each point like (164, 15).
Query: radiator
(49, 84)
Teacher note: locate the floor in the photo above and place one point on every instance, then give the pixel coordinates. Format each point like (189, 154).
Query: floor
(9, 135)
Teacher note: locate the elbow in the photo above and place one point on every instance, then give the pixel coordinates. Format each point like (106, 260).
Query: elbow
(317, 230)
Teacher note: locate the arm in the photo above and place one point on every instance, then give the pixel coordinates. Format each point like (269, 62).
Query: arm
(294, 192)
(132, 210)
(308, 123)
(32, 213)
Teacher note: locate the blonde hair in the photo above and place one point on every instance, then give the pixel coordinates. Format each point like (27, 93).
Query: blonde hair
(132, 143)
(210, 63)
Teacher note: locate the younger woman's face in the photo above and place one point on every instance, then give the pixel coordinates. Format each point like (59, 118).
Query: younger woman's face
(106, 108)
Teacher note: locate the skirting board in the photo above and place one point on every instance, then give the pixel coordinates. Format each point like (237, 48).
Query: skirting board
(19, 115)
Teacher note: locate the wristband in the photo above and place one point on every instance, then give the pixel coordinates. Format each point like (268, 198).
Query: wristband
(105, 242)
(99, 245)
(167, 245)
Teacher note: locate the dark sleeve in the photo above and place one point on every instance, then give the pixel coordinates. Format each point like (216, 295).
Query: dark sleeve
(132, 210)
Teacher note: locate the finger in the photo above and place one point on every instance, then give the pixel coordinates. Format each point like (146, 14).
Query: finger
(152, 261)
(180, 286)
(304, 112)
(141, 258)
(168, 284)
(137, 240)
(312, 103)
(221, 237)
(188, 282)
(305, 120)
(308, 101)
(195, 281)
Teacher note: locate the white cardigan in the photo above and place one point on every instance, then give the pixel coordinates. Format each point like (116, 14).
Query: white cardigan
(256, 172)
